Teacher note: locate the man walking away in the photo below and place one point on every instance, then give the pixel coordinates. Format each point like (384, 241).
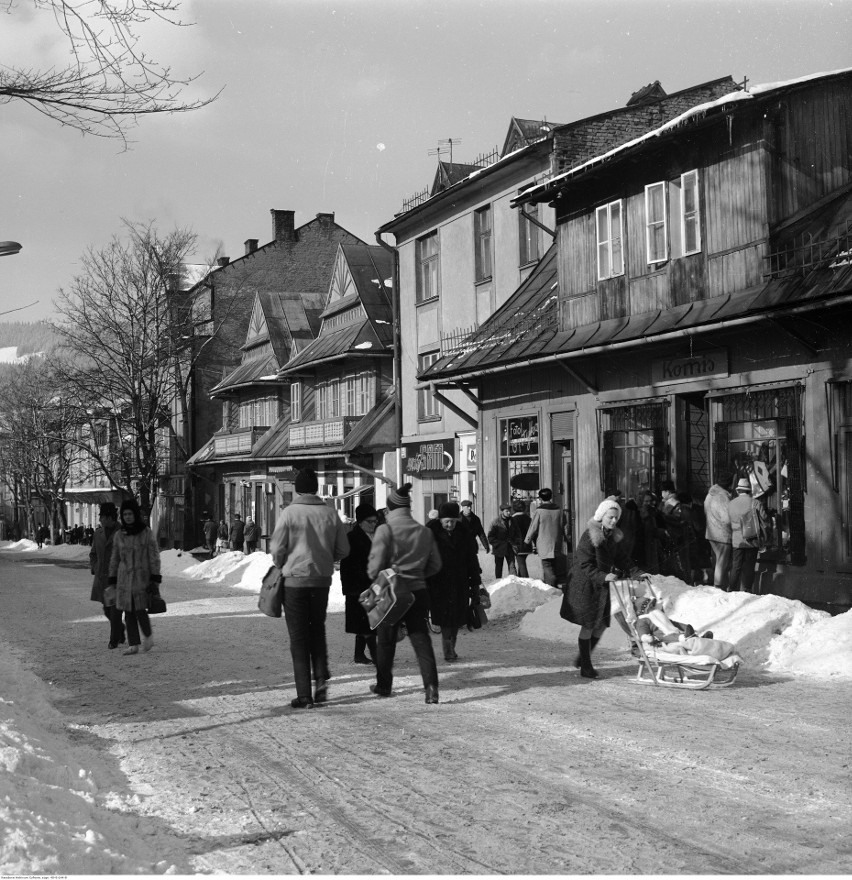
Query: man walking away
(309, 538)
(719, 528)
(252, 533)
(408, 547)
(474, 523)
(547, 534)
(209, 534)
(237, 533)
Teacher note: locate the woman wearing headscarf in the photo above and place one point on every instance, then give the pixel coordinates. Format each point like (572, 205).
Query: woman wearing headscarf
(134, 569)
(354, 580)
(598, 559)
(455, 588)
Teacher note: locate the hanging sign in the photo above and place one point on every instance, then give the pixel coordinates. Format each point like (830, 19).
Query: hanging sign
(433, 458)
(689, 369)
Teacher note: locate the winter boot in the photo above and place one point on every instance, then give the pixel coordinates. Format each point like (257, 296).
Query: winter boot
(586, 668)
(360, 648)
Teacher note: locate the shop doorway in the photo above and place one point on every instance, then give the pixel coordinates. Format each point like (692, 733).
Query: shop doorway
(563, 484)
(695, 444)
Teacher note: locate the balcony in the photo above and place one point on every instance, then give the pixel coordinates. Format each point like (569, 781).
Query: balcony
(236, 442)
(327, 433)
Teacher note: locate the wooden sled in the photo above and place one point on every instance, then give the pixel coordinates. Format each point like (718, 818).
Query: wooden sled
(664, 669)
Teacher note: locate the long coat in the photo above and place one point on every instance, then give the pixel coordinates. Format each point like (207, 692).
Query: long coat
(598, 554)
(99, 559)
(456, 586)
(134, 565)
(499, 536)
(354, 580)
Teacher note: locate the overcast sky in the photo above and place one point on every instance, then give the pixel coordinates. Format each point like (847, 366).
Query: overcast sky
(334, 106)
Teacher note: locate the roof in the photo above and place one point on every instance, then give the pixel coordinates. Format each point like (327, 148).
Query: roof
(525, 329)
(358, 338)
(449, 173)
(581, 162)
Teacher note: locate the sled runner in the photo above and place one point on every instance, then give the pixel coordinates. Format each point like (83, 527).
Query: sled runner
(694, 663)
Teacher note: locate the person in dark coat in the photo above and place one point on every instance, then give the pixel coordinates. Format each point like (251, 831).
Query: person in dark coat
(210, 530)
(474, 523)
(237, 534)
(251, 535)
(99, 559)
(521, 521)
(354, 580)
(222, 536)
(455, 588)
(498, 538)
(598, 559)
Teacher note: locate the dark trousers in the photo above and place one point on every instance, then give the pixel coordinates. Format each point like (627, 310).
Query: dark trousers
(521, 561)
(304, 611)
(116, 627)
(548, 572)
(498, 564)
(416, 620)
(743, 560)
(136, 620)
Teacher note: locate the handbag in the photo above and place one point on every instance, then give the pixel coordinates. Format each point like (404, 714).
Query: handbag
(384, 602)
(270, 601)
(156, 603)
(476, 617)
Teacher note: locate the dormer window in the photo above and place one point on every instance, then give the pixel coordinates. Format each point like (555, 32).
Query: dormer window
(610, 240)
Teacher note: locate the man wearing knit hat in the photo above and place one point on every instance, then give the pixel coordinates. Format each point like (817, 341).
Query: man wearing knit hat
(410, 549)
(547, 533)
(309, 538)
(749, 524)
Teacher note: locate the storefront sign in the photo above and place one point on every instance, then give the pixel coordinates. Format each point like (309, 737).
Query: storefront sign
(431, 459)
(688, 369)
(522, 435)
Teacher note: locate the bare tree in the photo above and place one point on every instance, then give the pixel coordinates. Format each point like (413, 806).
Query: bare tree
(110, 81)
(124, 330)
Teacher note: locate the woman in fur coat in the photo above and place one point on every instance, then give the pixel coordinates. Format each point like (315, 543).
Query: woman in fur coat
(134, 569)
(598, 559)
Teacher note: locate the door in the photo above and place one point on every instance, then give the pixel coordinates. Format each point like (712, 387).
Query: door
(563, 484)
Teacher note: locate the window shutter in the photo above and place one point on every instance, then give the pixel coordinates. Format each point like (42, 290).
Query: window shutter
(797, 499)
(608, 486)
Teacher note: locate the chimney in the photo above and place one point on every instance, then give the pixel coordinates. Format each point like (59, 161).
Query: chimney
(326, 218)
(251, 245)
(222, 262)
(283, 225)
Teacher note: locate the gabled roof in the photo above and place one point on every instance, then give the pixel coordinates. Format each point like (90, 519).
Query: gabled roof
(652, 92)
(281, 324)
(361, 276)
(449, 173)
(523, 132)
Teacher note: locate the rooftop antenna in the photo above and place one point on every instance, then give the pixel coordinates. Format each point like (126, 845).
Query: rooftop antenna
(745, 83)
(445, 146)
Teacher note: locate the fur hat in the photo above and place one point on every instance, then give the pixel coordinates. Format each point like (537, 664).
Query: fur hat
(108, 509)
(604, 506)
(505, 506)
(744, 485)
(449, 510)
(306, 482)
(400, 497)
(365, 511)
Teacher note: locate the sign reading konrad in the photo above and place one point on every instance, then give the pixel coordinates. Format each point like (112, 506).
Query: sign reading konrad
(701, 366)
(432, 459)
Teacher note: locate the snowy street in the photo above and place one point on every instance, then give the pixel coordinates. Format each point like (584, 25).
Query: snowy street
(189, 759)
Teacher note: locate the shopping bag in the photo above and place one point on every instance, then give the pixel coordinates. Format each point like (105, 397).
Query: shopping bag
(156, 603)
(270, 600)
(384, 601)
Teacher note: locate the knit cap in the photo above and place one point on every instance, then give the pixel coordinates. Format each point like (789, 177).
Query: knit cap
(306, 482)
(400, 497)
(604, 506)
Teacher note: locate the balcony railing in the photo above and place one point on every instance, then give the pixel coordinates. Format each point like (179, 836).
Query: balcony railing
(326, 433)
(237, 442)
(807, 253)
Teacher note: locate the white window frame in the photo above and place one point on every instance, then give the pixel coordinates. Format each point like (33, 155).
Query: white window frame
(427, 256)
(295, 401)
(653, 223)
(428, 407)
(482, 237)
(528, 235)
(606, 266)
(689, 183)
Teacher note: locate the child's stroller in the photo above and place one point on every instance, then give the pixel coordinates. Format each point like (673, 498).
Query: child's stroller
(691, 662)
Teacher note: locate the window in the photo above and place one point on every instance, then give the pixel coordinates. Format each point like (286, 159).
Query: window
(350, 396)
(528, 234)
(610, 251)
(427, 406)
(328, 399)
(482, 242)
(296, 401)
(634, 448)
(427, 267)
(690, 225)
(519, 464)
(655, 222)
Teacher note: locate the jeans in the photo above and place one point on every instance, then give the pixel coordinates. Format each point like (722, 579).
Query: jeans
(416, 620)
(742, 568)
(722, 563)
(498, 564)
(304, 611)
(136, 620)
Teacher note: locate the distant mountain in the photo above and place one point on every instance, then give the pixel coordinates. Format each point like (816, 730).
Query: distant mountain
(25, 339)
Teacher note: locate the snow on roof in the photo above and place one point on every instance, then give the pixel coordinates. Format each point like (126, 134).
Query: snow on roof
(698, 110)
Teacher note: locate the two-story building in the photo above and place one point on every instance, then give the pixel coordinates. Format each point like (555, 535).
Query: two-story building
(462, 252)
(694, 315)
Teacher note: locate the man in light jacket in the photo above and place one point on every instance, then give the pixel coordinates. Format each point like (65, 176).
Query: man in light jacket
(718, 530)
(408, 547)
(309, 538)
(547, 534)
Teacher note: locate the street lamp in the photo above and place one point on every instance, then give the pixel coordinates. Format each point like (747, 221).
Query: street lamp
(8, 248)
